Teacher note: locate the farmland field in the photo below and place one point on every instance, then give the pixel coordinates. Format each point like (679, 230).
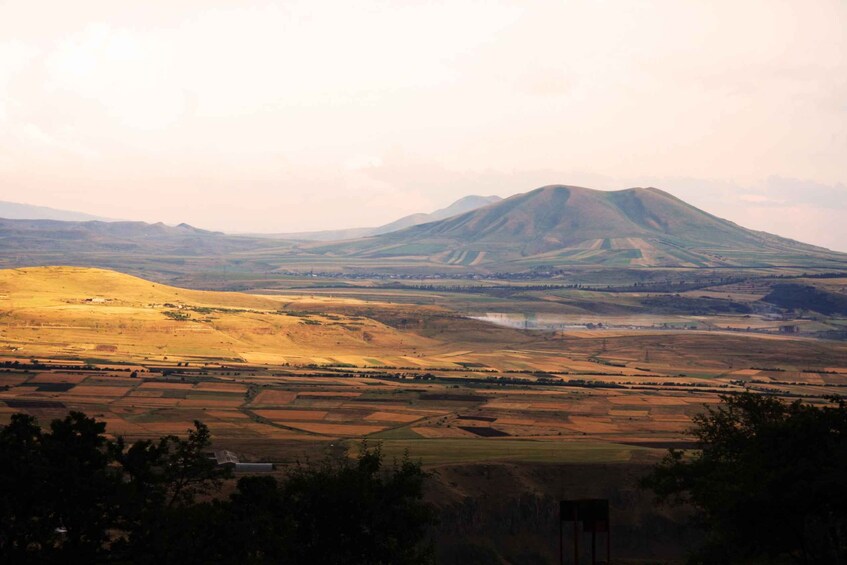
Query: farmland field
(511, 397)
(277, 376)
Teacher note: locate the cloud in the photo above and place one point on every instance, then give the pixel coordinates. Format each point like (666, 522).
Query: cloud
(14, 57)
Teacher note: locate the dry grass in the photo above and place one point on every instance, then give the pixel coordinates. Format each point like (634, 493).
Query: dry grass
(105, 391)
(165, 386)
(630, 413)
(274, 397)
(210, 403)
(48, 310)
(392, 417)
(335, 430)
(220, 387)
(436, 433)
(51, 320)
(58, 378)
(299, 415)
(228, 414)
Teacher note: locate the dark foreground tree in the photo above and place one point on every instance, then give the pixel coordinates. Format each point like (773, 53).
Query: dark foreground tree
(71, 495)
(341, 511)
(356, 512)
(57, 492)
(769, 481)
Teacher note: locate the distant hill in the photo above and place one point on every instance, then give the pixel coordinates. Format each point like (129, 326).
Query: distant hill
(32, 236)
(554, 227)
(568, 225)
(466, 204)
(103, 314)
(17, 211)
(805, 297)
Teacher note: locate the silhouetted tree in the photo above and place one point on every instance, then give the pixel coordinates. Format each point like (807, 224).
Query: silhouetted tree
(355, 512)
(71, 495)
(769, 480)
(160, 515)
(56, 489)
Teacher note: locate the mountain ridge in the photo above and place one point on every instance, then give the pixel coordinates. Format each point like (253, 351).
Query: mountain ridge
(464, 204)
(551, 228)
(577, 225)
(21, 211)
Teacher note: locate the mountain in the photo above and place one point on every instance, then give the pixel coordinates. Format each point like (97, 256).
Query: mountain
(17, 211)
(32, 236)
(466, 204)
(460, 206)
(568, 225)
(552, 227)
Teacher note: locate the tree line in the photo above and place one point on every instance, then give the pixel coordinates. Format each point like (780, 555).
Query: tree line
(767, 483)
(69, 494)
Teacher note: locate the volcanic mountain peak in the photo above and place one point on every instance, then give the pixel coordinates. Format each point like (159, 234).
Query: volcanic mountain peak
(567, 214)
(561, 225)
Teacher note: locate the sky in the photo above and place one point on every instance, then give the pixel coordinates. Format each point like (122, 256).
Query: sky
(291, 116)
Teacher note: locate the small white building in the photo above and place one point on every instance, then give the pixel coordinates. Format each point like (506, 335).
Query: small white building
(225, 457)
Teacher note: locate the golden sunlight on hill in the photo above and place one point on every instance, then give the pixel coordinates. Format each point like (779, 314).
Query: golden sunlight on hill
(99, 314)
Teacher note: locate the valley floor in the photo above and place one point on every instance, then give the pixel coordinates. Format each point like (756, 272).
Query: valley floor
(534, 415)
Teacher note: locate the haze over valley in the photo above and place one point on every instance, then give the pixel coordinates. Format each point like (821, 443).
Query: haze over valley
(508, 282)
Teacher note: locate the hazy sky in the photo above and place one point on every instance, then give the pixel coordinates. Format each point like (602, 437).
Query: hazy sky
(287, 116)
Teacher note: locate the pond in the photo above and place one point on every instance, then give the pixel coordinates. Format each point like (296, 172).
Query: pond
(534, 321)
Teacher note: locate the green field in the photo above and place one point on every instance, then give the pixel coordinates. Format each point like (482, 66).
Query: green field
(451, 451)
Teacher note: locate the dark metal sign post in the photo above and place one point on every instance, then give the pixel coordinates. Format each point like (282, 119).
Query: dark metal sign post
(594, 515)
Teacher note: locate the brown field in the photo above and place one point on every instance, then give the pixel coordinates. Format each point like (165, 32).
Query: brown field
(211, 403)
(95, 390)
(329, 394)
(516, 421)
(58, 378)
(135, 401)
(291, 414)
(168, 386)
(228, 414)
(629, 413)
(271, 397)
(438, 433)
(337, 430)
(220, 387)
(305, 374)
(392, 417)
(655, 400)
(147, 393)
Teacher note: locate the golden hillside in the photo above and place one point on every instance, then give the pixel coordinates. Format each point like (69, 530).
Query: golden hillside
(98, 314)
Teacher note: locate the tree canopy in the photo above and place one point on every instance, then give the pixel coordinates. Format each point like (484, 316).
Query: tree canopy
(768, 482)
(70, 494)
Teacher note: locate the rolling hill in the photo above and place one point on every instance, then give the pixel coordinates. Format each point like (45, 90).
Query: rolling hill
(554, 227)
(28, 236)
(18, 211)
(85, 313)
(136, 247)
(567, 225)
(465, 204)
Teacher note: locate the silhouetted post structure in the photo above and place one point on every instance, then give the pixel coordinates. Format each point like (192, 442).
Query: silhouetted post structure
(594, 515)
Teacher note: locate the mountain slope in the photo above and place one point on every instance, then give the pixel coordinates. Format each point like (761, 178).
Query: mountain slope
(465, 204)
(548, 228)
(17, 211)
(75, 312)
(150, 250)
(34, 236)
(557, 225)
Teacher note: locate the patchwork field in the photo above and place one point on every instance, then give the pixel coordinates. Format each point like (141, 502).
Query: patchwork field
(280, 377)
